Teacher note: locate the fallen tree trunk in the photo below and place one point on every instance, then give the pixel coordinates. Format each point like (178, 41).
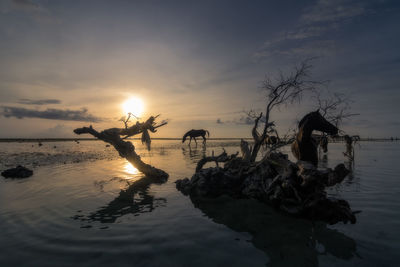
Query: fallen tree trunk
(223, 157)
(296, 189)
(125, 148)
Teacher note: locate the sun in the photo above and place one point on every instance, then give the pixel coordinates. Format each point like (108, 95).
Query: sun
(134, 105)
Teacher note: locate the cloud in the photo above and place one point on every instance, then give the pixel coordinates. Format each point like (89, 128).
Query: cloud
(26, 4)
(38, 12)
(308, 49)
(333, 11)
(57, 131)
(312, 36)
(51, 114)
(307, 32)
(26, 101)
(242, 120)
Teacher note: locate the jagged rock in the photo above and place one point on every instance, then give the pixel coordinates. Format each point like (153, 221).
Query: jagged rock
(18, 172)
(297, 189)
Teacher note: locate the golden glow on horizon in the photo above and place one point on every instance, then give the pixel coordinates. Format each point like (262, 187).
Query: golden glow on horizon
(134, 105)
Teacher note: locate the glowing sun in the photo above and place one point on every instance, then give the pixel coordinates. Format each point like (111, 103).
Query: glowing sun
(133, 105)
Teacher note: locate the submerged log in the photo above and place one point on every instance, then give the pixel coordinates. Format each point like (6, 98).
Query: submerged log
(125, 148)
(297, 189)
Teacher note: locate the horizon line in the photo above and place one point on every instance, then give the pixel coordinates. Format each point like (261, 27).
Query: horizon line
(61, 139)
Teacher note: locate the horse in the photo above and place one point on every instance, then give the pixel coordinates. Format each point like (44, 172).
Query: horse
(196, 133)
(305, 147)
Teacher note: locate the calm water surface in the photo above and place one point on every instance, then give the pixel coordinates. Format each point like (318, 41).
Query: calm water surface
(85, 206)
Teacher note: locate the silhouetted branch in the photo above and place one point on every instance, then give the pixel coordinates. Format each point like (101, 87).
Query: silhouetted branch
(286, 90)
(126, 149)
(335, 107)
(223, 157)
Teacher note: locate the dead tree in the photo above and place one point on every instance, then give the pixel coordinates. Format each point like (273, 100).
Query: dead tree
(125, 148)
(295, 188)
(286, 90)
(334, 107)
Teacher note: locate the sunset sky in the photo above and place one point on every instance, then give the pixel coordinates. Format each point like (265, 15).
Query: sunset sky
(67, 64)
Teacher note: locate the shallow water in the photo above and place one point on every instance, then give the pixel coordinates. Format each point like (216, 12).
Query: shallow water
(85, 206)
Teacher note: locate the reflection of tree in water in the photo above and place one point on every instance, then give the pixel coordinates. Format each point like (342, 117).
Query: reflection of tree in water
(350, 177)
(133, 200)
(323, 162)
(287, 241)
(194, 154)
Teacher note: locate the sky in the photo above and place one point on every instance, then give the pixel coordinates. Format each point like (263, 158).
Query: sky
(200, 64)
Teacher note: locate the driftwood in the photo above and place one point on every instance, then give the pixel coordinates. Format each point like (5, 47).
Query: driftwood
(297, 189)
(223, 157)
(125, 148)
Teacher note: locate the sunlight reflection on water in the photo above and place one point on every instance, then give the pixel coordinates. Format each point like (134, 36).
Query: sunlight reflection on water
(131, 171)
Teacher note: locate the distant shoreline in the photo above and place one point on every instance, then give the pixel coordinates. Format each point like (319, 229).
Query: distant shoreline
(34, 140)
(95, 139)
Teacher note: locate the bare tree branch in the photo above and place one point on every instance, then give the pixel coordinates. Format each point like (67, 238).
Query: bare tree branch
(287, 89)
(334, 107)
(127, 149)
(223, 157)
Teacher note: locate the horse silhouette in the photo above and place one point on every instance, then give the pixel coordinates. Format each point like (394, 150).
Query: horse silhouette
(196, 133)
(305, 147)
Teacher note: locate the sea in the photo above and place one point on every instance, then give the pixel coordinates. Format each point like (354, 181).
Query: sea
(87, 206)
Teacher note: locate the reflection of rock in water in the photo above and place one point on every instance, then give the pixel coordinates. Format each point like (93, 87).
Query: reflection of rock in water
(133, 200)
(286, 241)
(194, 154)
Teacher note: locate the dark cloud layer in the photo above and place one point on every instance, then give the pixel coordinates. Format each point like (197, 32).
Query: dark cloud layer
(26, 101)
(51, 114)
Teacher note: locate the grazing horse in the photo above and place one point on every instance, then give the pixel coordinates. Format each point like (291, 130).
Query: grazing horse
(305, 147)
(196, 133)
